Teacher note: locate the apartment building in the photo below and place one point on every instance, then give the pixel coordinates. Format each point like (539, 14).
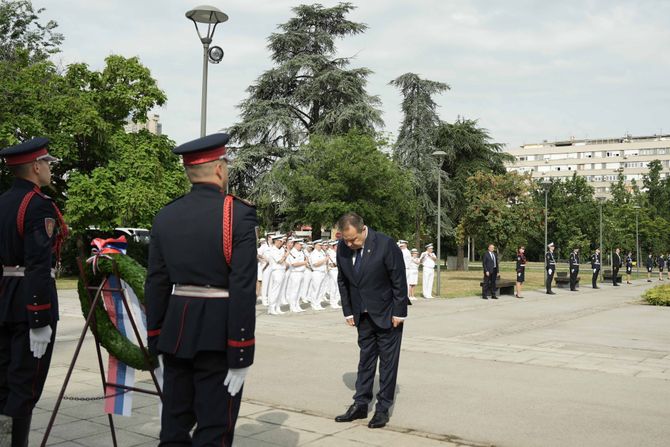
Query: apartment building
(152, 124)
(600, 161)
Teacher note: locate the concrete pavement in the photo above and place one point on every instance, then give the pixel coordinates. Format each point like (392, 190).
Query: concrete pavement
(589, 368)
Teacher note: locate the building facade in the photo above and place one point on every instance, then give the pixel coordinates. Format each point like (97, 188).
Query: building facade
(599, 161)
(153, 125)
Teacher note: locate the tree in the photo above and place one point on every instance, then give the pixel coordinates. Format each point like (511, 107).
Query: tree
(416, 142)
(500, 210)
(469, 150)
(320, 187)
(309, 91)
(141, 175)
(23, 36)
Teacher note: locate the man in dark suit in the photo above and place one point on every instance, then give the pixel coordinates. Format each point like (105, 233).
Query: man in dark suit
(373, 287)
(616, 265)
(490, 266)
(201, 299)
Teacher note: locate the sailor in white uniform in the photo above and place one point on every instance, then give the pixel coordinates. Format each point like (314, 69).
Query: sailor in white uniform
(428, 260)
(265, 282)
(305, 287)
(333, 288)
(407, 257)
(296, 264)
(413, 272)
(317, 260)
(262, 264)
(277, 257)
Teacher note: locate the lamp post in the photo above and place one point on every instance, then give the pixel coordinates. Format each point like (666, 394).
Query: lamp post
(439, 155)
(546, 184)
(637, 240)
(211, 16)
(600, 202)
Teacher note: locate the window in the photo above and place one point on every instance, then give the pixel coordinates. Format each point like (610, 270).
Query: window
(587, 154)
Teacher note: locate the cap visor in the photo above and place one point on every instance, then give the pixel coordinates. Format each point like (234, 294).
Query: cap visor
(49, 158)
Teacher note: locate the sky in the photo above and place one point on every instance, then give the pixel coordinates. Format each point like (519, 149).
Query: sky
(527, 70)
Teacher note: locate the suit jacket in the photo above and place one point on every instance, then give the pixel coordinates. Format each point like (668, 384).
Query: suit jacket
(488, 263)
(380, 286)
(617, 261)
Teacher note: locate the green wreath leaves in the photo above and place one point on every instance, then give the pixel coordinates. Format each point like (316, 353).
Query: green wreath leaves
(111, 339)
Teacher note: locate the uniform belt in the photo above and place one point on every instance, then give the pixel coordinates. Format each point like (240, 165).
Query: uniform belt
(200, 291)
(17, 270)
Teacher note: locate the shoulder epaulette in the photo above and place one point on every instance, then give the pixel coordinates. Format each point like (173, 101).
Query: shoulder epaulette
(246, 202)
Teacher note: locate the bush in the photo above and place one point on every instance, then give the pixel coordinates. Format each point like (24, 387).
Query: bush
(658, 296)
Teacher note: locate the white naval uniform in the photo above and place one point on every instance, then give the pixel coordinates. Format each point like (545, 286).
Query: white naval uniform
(316, 290)
(413, 275)
(428, 262)
(295, 279)
(305, 287)
(262, 266)
(407, 257)
(333, 288)
(278, 271)
(265, 284)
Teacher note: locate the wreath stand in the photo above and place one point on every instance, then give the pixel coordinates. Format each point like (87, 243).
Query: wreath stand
(95, 294)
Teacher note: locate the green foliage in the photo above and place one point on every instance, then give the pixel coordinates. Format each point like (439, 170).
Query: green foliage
(333, 175)
(23, 36)
(500, 210)
(308, 91)
(111, 339)
(141, 175)
(658, 296)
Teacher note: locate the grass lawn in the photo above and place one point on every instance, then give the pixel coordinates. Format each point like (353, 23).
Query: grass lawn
(66, 282)
(459, 284)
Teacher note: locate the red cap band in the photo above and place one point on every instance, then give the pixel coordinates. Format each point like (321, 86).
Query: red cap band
(201, 157)
(19, 159)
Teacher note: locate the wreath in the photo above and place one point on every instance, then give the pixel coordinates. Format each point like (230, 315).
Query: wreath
(111, 339)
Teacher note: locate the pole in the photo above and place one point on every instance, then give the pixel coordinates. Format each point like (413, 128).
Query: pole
(439, 233)
(602, 252)
(637, 243)
(546, 213)
(203, 103)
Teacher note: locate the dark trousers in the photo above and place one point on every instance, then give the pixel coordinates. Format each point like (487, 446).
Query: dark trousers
(22, 376)
(489, 287)
(615, 273)
(550, 278)
(383, 344)
(193, 392)
(574, 271)
(594, 278)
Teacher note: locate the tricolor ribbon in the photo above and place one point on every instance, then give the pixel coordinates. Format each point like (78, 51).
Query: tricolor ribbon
(105, 247)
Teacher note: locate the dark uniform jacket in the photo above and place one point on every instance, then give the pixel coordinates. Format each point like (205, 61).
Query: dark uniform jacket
(187, 249)
(574, 261)
(31, 298)
(380, 286)
(595, 261)
(520, 263)
(549, 261)
(629, 261)
(650, 262)
(616, 260)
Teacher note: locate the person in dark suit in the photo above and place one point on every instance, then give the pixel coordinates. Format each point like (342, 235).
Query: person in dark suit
(550, 267)
(574, 269)
(373, 288)
(650, 266)
(595, 265)
(520, 270)
(490, 267)
(201, 299)
(616, 265)
(31, 234)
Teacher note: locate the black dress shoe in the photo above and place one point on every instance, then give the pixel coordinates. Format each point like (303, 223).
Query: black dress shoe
(551, 293)
(484, 298)
(494, 297)
(379, 420)
(354, 412)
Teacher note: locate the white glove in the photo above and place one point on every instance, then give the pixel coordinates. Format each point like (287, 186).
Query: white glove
(39, 340)
(572, 271)
(594, 270)
(550, 271)
(235, 379)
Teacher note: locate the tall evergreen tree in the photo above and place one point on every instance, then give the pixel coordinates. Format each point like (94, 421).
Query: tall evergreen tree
(416, 142)
(308, 91)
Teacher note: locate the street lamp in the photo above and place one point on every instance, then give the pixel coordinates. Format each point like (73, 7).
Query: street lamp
(546, 184)
(439, 155)
(211, 16)
(637, 240)
(600, 201)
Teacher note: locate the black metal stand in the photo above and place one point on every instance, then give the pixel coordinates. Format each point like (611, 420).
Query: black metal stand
(91, 324)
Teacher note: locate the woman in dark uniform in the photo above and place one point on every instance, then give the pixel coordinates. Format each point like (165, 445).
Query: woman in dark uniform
(661, 263)
(650, 266)
(520, 270)
(629, 267)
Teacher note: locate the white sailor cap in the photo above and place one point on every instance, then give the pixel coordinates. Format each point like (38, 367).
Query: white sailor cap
(429, 245)
(298, 240)
(278, 236)
(318, 241)
(551, 244)
(333, 242)
(414, 250)
(402, 241)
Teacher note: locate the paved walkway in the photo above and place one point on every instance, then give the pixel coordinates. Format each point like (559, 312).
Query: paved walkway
(588, 368)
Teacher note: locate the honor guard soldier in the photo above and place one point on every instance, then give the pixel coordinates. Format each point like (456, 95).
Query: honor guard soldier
(616, 265)
(661, 264)
(550, 266)
(201, 300)
(574, 269)
(31, 234)
(595, 266)
(650, 266)
(629, 267)
(520, 270)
